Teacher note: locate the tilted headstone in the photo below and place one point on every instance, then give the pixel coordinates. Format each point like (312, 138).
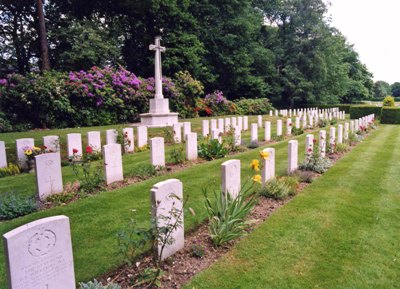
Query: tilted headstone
(322, 143)
(205, 124)
(254, 132)
(293, 148)
(230, 177)
(167, 198)
(3, 155)
(48, 175)
(267, 132)
(129, 139)
(52, 143)
(112, 156)
(74, 142)
(309, 144)
(157, 151)
(191, 146)
(177, 132)
(94, 140)
(39, 255)
(279, 127)
(141, 136)
(340, 134)
(22, 144)
(268, 170)
(111, 136)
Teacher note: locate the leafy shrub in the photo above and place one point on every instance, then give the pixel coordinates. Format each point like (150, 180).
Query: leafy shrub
(341, 148)
(388, 101)
(248, 106)
(62, 198)
(278, 188)
(144, 172)
(322, 122)
(212, 150)
(303, 176)
(11, 170)
(227, 216)
(390, 115)
(98, 285)
(315, 163)
(176, 154)
(215, 104)
(358, 111)
(297, 131)
(13, 206)
(333, 121)
(197, 251)
(277, 138)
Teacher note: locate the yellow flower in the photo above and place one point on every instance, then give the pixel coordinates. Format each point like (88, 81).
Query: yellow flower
(257, 179)
(255, 165)
(264, 155)
(36, 148)
(28, 152)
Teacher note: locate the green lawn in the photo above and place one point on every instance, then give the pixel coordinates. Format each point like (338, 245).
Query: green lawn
(340, 232)
(96, 220)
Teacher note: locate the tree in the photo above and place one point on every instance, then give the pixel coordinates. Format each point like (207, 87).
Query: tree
(44, 47)
(381, 89)
(395, 89)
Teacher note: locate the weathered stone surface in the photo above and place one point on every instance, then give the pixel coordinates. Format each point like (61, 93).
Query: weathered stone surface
(52, 143)
(111, 136)
(129, 139)
(22, 144)
(178, 132)
(74, 142)
(322, 143)
(254, 132)
(191, 146)
(94, 140)
(157, 151)
(230, 177)
(39, 255)
(48, 175)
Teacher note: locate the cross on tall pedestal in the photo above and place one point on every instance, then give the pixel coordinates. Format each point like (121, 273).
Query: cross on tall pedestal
(157, 66)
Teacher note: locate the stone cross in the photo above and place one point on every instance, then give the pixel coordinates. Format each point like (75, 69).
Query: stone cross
(157, 66)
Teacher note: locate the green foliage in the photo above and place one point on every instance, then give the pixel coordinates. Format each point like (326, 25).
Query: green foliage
(279, 188)
(277, 138)
(89, 178)
(316, 163)
(98, 285)
(227, 216)
(149, 276)
(322, 122)
(62, 198)
(333, 121)
(212, 149)
(168, 135)
(358, 111)
(297, 131)
(388, 101)
(247, 106)
(395, 89)
(341, 148)
(13, 206)
(177, 154)
(197, 251)
(11, 170)
(143, 172)
(303, 176)
(381, 89)
(390, 115)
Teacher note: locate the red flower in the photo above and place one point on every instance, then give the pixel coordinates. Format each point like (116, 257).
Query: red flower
(74, 151)
(89, 150)
(314, 140)
(309, 150)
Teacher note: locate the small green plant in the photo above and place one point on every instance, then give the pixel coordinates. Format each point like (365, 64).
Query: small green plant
(388, 101)
(303, 176)
(227, 216)
(149, 276)
(11, 170)
(333, 121)
(315, 162)
(168, 134)
(231, 140)
(276, 189)
(341, 148)
(322, 122)
(13, 206)
(98, 285)
(144, 172)
(70, 192)
(142, 148)
(212, 150)
(297, 131)
(197, 251)
(177, 154)
(277, 138)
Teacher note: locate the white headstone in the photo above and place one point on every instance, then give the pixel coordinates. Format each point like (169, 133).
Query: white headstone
(178, 132)
(240, 122)
(267, 132)
(111, 136)
(205, 127)
(187, 128)
(129, 139)
(322, 143)
(213, 124)
(234, 121)
(52, 143)
(221, 127)
(48, 175)
(245, 123)
(279, 127)
(304, 121)
(141, 136)
(230, 172)
(297, 120)
(332, 138)
(94, 140)
(346, 130)
(268, 171)
(309, 144)
(254, 132)
(39, 255)
(167, 197)
(238, 136)
(112, 156)
(157, 151)
(3, 155)
(270, 113)
(259, 121)
(74, 142)
(293, 148)
(191, 146)
(289, 126)
(22, 144)
(216, 134)
(227, 124)
(340, 134)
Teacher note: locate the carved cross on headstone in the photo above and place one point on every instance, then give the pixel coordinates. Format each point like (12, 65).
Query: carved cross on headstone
(157, 66)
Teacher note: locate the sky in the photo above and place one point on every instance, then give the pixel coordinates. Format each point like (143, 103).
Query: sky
(373, 27)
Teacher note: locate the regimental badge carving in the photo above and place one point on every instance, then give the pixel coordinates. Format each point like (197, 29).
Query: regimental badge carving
(42, 242)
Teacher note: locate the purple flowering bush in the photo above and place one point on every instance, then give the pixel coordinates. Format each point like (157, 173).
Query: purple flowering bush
(215, 104)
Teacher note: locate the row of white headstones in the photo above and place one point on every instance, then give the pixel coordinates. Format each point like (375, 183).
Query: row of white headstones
(39, 254)
(48, 166)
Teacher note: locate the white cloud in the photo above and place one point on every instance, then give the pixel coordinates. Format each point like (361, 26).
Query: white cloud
(373, 27)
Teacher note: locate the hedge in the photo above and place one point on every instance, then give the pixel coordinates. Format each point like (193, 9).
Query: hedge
(390, 115)
(358, 111)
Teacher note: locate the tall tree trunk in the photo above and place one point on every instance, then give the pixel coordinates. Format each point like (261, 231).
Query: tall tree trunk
(43, 37)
